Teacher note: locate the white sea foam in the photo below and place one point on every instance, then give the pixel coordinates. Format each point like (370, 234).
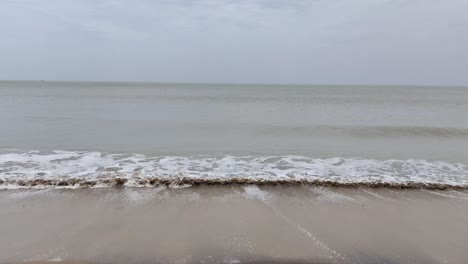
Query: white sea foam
(81, 168)
(253, 192)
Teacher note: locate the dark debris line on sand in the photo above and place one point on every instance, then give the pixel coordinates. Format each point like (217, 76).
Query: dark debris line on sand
(185, 181)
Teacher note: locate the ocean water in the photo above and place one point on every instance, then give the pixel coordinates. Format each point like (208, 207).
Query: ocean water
(82, 134)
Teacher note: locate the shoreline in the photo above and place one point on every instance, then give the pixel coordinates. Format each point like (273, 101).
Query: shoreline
(178, 182)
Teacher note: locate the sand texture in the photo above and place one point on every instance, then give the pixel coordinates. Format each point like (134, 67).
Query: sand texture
(237, 224)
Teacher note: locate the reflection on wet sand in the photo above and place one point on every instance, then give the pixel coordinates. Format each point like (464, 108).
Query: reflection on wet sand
(237, 224)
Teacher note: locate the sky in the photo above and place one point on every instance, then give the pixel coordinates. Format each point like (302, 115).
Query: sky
(413, 42)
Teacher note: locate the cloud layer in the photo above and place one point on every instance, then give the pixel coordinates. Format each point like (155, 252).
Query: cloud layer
(247, 41)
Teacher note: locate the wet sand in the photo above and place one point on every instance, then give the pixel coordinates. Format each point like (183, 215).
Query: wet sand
(233, 224)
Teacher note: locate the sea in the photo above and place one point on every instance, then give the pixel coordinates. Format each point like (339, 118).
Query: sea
(56, 134)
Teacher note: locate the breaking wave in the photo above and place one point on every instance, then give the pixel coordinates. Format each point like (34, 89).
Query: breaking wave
(77, 169)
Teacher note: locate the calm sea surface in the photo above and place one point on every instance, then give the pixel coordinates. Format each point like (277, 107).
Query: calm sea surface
(255, 121)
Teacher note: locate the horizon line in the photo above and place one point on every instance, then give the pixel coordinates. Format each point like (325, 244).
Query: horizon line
(233, 83)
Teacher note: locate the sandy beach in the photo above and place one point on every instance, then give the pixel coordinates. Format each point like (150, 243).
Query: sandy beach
(236, 224)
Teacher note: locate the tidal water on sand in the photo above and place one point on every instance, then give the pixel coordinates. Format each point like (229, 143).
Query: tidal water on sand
(213, 173)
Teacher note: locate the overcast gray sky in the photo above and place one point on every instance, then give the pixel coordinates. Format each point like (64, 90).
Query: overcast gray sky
(246, 41)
